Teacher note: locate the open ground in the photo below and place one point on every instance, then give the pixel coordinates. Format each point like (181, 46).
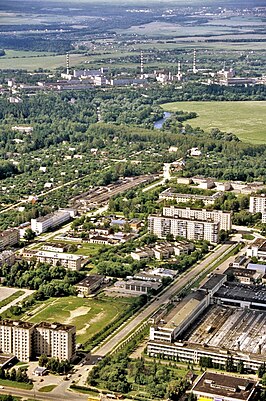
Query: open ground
(244, 119)
(88, 315)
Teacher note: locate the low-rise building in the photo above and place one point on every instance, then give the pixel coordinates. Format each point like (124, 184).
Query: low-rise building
(89, 284)
(170, 194)
(137, 286)
(54, 247)
(215, 386)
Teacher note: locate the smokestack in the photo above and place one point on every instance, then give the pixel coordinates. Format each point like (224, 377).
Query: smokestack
(194, 63)
(179, 74)
(67, 63)
(141, 65)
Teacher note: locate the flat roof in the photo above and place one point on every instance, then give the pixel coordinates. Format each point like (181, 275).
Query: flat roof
(62, 255)
(242, 292)
(185, 308)
(16, 323)
(90, 280)
(224, 385)
(54, 326)
(213, 281)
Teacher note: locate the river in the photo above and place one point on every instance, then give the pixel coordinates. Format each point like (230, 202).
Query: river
(159, 123)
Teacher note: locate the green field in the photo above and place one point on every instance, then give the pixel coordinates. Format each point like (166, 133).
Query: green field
(88, 315)
(244, 119)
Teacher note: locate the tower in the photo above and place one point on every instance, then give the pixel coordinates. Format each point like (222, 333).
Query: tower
(194, 63)
(141, 65)
(67, 63)
(179, 74)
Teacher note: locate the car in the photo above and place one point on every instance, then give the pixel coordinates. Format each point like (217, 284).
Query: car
(1, 387)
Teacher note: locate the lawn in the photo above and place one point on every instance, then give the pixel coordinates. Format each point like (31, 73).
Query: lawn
(47, 389)
(244, 119)
(14, 384)
(88, 315)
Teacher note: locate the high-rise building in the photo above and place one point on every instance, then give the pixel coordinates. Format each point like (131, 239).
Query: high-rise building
(257, 203)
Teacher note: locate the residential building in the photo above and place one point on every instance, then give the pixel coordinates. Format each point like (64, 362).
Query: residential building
(7, 257)
(170, 194)
(67, 260)
(257, 203)
(26, 340)
(55, 340)
(16, 337)
(43, 223)
(9, 238)
(224, 218)
(54, 247)
(190, 229)
(215, 386)
(257, 249)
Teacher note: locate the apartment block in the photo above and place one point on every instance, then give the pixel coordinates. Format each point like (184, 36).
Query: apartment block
(224, 218)
(9, 238)
(16, 337)
(169, 194)
(7, 257)
(257, 203)
(25, 340)
(67, 260)
(190, 229)
(55, 340)
(43, 223)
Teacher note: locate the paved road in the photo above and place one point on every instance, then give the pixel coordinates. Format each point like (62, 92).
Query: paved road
(17, 300)
(179, 283)
(52, 396)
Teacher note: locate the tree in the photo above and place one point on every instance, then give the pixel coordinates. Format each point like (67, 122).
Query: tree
(29, 234)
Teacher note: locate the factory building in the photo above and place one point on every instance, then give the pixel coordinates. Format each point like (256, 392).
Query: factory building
(44, 223)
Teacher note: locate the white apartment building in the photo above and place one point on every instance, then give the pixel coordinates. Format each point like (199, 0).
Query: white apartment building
(25, 340)
(224, 218)
(257, 203)
(9, 238)
(55, 340)
(16, 337)
(67, 260)
(43, 223)
(190, 229)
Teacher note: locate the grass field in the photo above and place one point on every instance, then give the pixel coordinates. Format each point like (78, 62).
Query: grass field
(47, 389)
(14, 384)
(88, 315)
(244, 119)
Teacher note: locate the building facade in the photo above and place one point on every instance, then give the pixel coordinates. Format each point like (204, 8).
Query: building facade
(25, 340)
(190, 229)
(67, 260)
(224, 218)
(43, 223)
(257, 203)
(9, 238)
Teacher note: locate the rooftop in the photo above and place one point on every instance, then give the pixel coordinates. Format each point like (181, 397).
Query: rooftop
(243, 292)
(213, 281)
(90, 280)
(54, 326)
(16, 323)
(224, 385)
(54, 255)
(185, 308)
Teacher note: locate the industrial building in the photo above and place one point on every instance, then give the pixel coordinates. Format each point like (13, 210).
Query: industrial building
(221, 320)
(25, 340)
(214, 386)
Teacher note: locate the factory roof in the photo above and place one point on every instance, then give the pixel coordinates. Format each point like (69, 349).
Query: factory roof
(213, 281)
(243, 292)
(186, 308)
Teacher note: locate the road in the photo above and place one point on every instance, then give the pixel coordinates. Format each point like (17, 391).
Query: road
(61, 391)
(179, 283)
(17, 300)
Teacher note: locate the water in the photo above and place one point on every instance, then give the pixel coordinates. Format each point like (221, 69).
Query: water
(159, 123)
